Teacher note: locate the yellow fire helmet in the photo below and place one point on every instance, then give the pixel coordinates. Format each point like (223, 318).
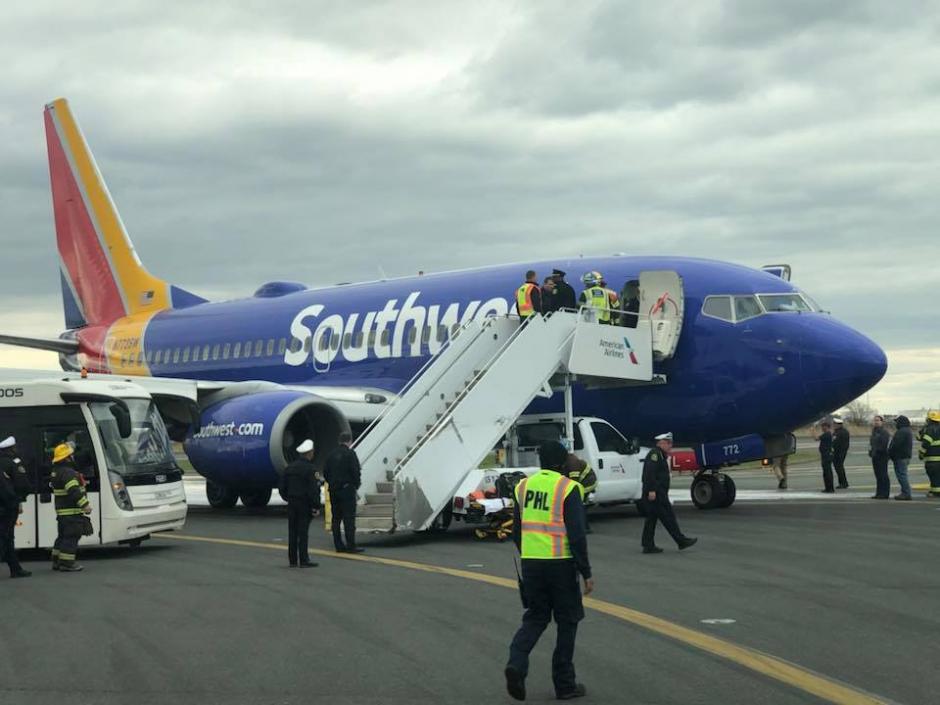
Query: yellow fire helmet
(934, 415)
(61, 452)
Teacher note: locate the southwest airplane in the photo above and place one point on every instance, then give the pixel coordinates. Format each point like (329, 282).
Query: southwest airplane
(756, 357)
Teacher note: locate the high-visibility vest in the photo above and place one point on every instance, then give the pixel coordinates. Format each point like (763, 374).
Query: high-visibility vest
(930, 442)
(587, 478)
(541, 501)
(597, 298)
(524, 299)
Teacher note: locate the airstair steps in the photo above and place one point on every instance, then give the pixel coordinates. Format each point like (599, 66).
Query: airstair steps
(471, 393)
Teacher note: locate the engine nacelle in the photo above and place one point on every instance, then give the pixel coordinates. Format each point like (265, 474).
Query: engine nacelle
(246, 441)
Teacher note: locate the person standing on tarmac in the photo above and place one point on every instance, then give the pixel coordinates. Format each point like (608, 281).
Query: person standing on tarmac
(548, 530)
(900, 451)
(14, 488)
(71, 508)
(529, 296)
(878, 452)
(342, 475)
(930, 451)
(840, 449)
(300, 486)
(578, 470)
(825, 456)
(656, 480)
(779, 466)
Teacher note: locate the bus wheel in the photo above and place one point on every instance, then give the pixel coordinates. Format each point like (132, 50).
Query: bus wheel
(220, 496)
(256, 498)
(135, 543)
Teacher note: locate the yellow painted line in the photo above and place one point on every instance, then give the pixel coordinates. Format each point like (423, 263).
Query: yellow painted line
(757, 661)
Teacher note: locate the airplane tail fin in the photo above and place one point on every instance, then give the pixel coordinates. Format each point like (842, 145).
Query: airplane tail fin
(102, 277)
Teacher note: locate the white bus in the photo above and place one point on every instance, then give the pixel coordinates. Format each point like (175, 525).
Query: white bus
(121, 448)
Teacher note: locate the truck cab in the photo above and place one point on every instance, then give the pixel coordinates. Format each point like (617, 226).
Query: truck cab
(617, 461)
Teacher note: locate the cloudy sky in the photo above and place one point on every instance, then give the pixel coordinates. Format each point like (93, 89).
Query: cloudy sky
(331, 141)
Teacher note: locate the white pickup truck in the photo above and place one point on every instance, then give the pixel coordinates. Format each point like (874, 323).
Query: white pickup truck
(617, 462)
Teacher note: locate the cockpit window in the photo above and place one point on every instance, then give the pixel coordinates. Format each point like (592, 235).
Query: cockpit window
(774, 303)
(718, 307)
(746, 307)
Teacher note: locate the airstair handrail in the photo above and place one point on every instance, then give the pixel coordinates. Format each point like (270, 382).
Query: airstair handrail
(417, 375)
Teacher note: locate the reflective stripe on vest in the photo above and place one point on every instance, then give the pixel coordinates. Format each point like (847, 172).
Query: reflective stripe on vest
(597, 298)
(524, 299)
(541, 500)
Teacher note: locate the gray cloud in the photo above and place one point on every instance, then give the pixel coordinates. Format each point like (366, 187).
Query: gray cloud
(326, 140)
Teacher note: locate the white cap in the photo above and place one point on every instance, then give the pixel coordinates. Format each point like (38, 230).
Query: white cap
(8, 442)
(664, 436)
(305, 447)
(836, 419)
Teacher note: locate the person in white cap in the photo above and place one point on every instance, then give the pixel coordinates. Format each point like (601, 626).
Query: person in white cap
(656, 480)
(840, 449)
(14, 488)
(300, 486)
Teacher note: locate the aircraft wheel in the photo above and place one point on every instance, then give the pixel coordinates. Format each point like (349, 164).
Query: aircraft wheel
(220, 496)
(730, 490)
(256, 498)
(707, 491)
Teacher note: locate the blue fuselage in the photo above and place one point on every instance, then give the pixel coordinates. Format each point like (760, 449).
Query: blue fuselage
(767, 375)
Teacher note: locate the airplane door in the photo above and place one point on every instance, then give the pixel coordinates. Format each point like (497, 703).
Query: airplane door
(663, 300)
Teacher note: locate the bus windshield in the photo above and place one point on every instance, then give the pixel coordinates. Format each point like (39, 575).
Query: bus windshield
(147, 449)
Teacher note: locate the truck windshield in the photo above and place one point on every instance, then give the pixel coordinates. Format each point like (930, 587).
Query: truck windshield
(147, 449)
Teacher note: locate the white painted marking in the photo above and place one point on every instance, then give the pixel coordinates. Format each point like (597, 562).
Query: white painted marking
(719, 620)
(474, 565)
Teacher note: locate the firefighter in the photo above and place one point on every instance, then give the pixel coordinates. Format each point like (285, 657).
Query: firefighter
(548, 530)
(14, 488)
(930, 451)
(529, 296)
(71, 509)
(597, 296)
(581, 472)
(656, 481)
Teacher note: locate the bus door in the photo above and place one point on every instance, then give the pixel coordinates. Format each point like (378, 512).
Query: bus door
(85, 462)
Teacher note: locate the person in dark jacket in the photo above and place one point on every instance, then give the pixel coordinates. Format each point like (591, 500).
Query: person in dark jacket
(14, 488)
(899, 451)
(656, 479)
(71, 508)
(582, 473)
(300, 486)
(565, 296)
(342, 476)
(549, 300)
(630, 304)
(825, 455)
(549, 533)
(878, 452)
(840, 449)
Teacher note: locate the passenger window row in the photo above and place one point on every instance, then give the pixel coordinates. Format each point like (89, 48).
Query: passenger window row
(274, 347)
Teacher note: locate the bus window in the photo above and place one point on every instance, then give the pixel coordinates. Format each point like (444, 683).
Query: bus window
(84, 456)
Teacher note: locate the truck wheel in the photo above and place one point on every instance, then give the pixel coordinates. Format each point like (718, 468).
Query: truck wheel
(730, 490)
(707, 491)
(256, 498)
(220, 496)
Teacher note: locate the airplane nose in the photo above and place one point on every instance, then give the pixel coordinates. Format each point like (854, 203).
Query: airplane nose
(839, 364)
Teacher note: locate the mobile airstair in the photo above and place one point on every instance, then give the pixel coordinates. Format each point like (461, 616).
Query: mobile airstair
(457, 407)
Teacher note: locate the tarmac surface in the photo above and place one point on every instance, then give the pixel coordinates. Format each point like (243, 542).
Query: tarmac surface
(796, 601)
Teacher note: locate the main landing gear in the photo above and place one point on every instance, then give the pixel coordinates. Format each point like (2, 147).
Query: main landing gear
(713, 490)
